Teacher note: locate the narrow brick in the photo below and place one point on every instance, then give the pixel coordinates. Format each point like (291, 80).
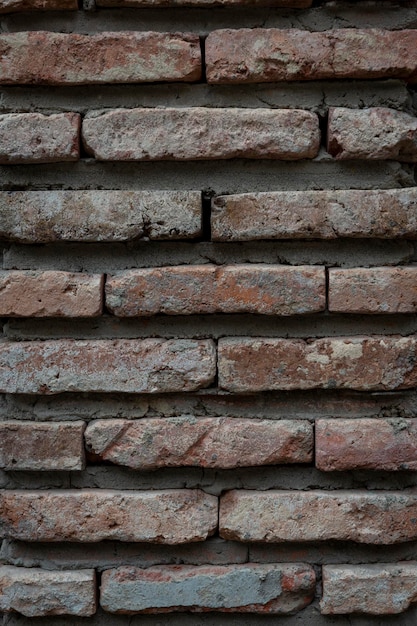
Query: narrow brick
(382, 213)
(291, 4)
(38, 138)
(36, 592)
(200, 133)
(375, 290)
(259, 289)
(206, 442)
(46, 58)
(271, 54)
(370, 363)
(38, 446)
(14, 6)
(48, 216)
(248, 588)
(377, 444)
(169, 517)
(377, 133)
(50, 294)
(135, 366)
(280, 516)
(375, 589)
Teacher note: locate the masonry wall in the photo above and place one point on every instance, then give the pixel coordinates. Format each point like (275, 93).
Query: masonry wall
(208, 410)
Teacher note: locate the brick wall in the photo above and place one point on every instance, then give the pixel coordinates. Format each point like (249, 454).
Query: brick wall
(208, 297)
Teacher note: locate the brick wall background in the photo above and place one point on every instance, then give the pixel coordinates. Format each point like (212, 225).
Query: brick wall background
(208, 372)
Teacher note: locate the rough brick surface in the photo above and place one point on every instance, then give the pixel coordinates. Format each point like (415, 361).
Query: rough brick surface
(376, 290)
(46, 58)
(205, 442)
(50, 294)
(295, 4)
(269, 55)
(262, 289)
(47, 216)
(12, 6)
(170, 517)
(279, 516)
(380, 444)
(135, 366)
(370, 363)
(378, 133)
(248, 588)
(375, 589)
(385, 213)
(201, 133)
(35, 592)
(38, 138)
(39, 446)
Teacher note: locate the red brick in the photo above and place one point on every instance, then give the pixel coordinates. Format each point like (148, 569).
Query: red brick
(270, 54)
(200, 133)
(50, 294)
(378, 444)
(377, 133)
(376, 290)
(204, 442)
(46, 58)
(14, 6)
(248, 588)
(376, 589)
(295, 4)
(382, 213)
(40, 446)
(260, 289)
(370, 363)
(169, 517)
(280, 516)
(135, 366)
(38, 138)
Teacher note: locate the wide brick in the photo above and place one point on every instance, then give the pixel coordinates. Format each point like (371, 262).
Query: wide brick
(47, 216)
(38, 138)
(295, 4)
(46, 58)
(13, 6)
(135, 366)
(248, 588)
(362, 363)
(375, 589)
(279, 516)
(169, 517)
(377, 133)
(260, 289)
(382, 213)
(205, 442)
(35, 592)
(270, 54)
(50, 294)
(376, 290)
(200, 133)
(380, 444)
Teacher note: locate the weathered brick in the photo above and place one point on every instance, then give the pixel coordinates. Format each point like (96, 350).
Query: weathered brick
(375, 589)
(248, 588)
(279, 516)
(50, 294)
(205, 442)
(200, 133)
(260, 289)
(36, 592)
(271, 54)
(135, 366)
(13, 6)
(295, 4)
(377, 133)
(375, 290)
(47, 216)
(380, 444)
(46, 58)
(382, 213)
(170, 517)
(369, 363)
(41, 446)
(38, 138)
